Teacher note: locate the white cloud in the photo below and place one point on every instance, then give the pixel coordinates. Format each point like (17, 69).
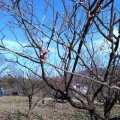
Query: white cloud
(115, 31)
(103, 45)
(12, 44)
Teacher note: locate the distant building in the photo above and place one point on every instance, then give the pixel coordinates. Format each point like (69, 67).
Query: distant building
(81, 88)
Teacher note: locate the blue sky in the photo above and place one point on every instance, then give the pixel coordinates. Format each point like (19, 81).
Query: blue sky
(39, 7)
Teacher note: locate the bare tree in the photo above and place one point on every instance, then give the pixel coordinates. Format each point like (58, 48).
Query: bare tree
(84, 36)
(30, 86)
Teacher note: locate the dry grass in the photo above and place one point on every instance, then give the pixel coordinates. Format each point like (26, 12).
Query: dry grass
(15, 107)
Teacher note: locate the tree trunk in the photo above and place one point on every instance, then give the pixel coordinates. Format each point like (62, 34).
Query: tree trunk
(107, 115)
(106, 110)
(92, 115)
(30, 101)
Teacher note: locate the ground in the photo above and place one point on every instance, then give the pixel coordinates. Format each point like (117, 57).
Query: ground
(15, 107)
